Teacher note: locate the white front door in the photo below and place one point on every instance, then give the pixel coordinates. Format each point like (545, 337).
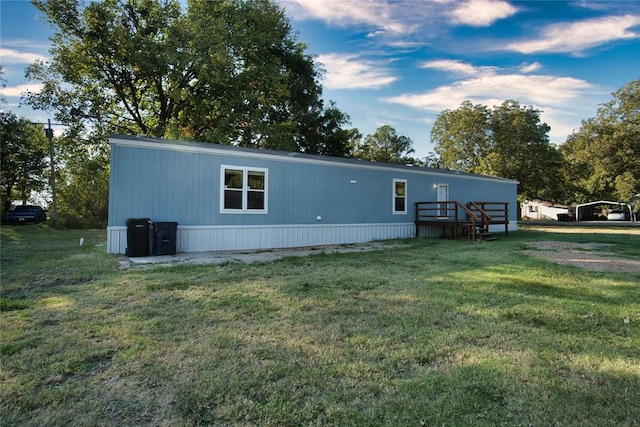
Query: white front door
(443, 196)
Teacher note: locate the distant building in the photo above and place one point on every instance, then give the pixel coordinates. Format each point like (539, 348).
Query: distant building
(540, 210)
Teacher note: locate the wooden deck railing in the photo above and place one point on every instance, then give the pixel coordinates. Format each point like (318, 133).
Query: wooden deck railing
(497, 212)
(472, 220)
(448, 215)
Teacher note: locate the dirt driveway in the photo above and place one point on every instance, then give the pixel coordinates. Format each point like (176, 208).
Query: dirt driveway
(590, 256)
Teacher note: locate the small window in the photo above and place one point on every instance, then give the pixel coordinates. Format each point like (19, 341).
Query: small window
(399, 196)
(255, 192)
(233, 189)
(244, 190)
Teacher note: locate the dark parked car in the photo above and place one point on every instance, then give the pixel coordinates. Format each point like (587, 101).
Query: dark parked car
(26, 213)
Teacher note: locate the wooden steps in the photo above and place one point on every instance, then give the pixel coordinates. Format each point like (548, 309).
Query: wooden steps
(457, 221)
(486, 237)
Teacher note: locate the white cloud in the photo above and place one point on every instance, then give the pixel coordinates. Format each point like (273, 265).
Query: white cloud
(352, 72)
(450, 65)
(561, 99)
(377, 13)
(579, 36)
(28, 44)
(482, 13)
(11, 56)
(530, 68)
(404, 23)
(18, 90)
(487, 89)
(456, 67)
(409, 23)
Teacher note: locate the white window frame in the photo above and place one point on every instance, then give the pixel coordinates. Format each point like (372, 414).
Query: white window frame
(245, 189)
(394, 195)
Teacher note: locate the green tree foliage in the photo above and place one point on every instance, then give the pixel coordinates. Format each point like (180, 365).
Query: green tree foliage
(83, 190)
(521, 150)
(604, 154)
(432, 160)
(226, 71)
(385, 145)
(325, 134)
(463, 137)
(24, 152)
(508, 141)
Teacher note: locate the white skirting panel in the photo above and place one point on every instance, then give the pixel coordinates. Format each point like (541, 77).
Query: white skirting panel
(428, 231)
(116, 240)
(499, 228)
(224, 238)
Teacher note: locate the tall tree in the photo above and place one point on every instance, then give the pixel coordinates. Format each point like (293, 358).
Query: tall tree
(463, 137)
(509, 141)
(326, 134)
(604, 154)
(521, 150)
(23, 157)
(118, 64)
(385, 145)
(84, 198)
(226, 71)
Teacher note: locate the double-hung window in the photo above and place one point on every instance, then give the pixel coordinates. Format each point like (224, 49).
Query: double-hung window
(399, 196)
(244, 190)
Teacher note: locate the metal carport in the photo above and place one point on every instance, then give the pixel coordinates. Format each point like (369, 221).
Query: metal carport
(604, 202)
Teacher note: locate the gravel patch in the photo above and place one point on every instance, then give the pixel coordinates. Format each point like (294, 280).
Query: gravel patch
(590, 256)
(250, 256)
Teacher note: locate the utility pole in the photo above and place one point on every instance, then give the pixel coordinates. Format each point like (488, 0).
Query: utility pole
(54, 215)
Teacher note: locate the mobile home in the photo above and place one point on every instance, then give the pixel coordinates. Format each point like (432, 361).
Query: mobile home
(232, 198)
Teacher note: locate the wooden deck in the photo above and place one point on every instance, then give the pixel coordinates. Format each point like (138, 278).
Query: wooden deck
(495, 212)
(457, 221)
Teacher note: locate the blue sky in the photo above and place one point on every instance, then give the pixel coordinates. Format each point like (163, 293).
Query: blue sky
(401, 62)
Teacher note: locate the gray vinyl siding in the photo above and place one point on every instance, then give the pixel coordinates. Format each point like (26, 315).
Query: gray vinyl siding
(167, 184)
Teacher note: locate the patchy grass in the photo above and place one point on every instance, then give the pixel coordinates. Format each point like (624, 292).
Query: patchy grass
(431, 332)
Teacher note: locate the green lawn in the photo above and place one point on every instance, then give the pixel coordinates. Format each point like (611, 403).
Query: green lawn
(431, 332)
